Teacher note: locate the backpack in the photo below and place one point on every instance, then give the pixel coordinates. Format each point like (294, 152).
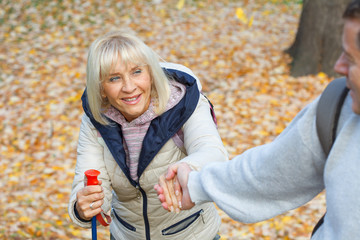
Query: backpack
(327, 116)
(178, 138)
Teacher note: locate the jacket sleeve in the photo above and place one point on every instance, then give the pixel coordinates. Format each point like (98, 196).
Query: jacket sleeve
(89, 156)
(201, 138)
(267, 180)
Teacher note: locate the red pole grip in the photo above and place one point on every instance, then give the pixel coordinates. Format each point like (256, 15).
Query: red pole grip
(91, 177)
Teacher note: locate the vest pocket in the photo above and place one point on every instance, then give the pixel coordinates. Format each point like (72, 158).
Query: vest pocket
(183, 224)
(125, 224)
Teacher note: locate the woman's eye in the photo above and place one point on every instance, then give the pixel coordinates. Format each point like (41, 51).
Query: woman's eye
(114, 79)
(137, 72)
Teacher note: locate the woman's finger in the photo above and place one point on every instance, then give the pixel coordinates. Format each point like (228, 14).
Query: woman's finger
(164, 187)
(89, 190)
(171, 191)
(96, 204)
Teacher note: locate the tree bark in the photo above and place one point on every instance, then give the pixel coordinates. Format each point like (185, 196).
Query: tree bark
(317, 43)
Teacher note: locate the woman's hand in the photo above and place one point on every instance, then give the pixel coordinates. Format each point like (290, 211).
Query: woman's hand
(89, 201)
(172, 188)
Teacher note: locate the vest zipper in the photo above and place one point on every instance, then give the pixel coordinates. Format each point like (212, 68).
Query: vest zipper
(146, 219)
(138, 191)
(202, 216)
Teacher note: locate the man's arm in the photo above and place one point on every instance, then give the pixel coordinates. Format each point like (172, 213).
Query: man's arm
(267, 180)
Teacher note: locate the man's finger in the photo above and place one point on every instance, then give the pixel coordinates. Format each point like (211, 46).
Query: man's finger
(178, 192)
(172, 170)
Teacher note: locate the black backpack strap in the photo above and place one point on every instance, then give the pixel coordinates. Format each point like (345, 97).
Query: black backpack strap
(327, 116)
(328, 112)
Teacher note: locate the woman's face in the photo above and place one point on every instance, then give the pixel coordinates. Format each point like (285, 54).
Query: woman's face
(128, 89)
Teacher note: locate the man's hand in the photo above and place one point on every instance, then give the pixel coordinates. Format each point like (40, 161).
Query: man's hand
(172, 188)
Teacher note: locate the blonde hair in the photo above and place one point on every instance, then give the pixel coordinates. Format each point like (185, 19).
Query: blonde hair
(105, 52)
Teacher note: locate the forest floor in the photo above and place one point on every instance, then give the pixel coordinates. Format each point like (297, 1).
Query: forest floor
(236, 48)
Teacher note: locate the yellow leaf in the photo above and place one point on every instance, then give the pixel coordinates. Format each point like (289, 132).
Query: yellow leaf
(57, 168)
(76, 233)
(77, 75)
(266, 13)
(274, 102)
(241, 15)
(290, 93)
(74, 98)
(162, 12)
(47, 225)
(264, 133)
(64, 118)
(32, 52)
(286, 219)
(180, 4)
(321, 75)
(278, 129)
(24, 219)
(205, 63)
(251, 21)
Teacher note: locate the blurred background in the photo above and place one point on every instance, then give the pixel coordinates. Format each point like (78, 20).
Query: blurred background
(236, 48)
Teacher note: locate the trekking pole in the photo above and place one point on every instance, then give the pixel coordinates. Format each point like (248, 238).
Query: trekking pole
(91, 179)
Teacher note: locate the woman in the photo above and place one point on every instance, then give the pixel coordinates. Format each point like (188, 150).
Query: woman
(141, 117)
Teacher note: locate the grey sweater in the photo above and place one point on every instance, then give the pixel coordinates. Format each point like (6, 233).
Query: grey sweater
(271, 179)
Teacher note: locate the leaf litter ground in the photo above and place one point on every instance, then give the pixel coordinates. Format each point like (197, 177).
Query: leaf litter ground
(234, 47)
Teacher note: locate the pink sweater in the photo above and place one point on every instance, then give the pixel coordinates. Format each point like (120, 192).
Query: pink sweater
(135, 131)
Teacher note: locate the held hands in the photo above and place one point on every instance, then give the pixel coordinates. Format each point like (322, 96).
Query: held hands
(89, 201)
(172, 188)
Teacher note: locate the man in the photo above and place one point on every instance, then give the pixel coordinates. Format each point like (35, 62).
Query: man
(271, 179)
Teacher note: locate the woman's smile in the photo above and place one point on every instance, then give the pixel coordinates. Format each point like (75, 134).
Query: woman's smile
(132, 100)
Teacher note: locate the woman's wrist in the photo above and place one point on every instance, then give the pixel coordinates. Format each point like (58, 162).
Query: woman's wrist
(78, 216)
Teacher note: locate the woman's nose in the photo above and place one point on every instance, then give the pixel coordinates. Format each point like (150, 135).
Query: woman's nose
(129, 85)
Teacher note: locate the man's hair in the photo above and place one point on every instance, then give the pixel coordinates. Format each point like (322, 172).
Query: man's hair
(352, 11)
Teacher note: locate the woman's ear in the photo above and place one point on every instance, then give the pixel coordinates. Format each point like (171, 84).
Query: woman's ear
(102, 92)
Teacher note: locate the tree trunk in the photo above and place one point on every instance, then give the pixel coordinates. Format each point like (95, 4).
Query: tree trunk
(318, 41)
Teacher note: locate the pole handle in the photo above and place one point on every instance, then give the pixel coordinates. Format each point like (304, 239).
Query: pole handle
(91, 179)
